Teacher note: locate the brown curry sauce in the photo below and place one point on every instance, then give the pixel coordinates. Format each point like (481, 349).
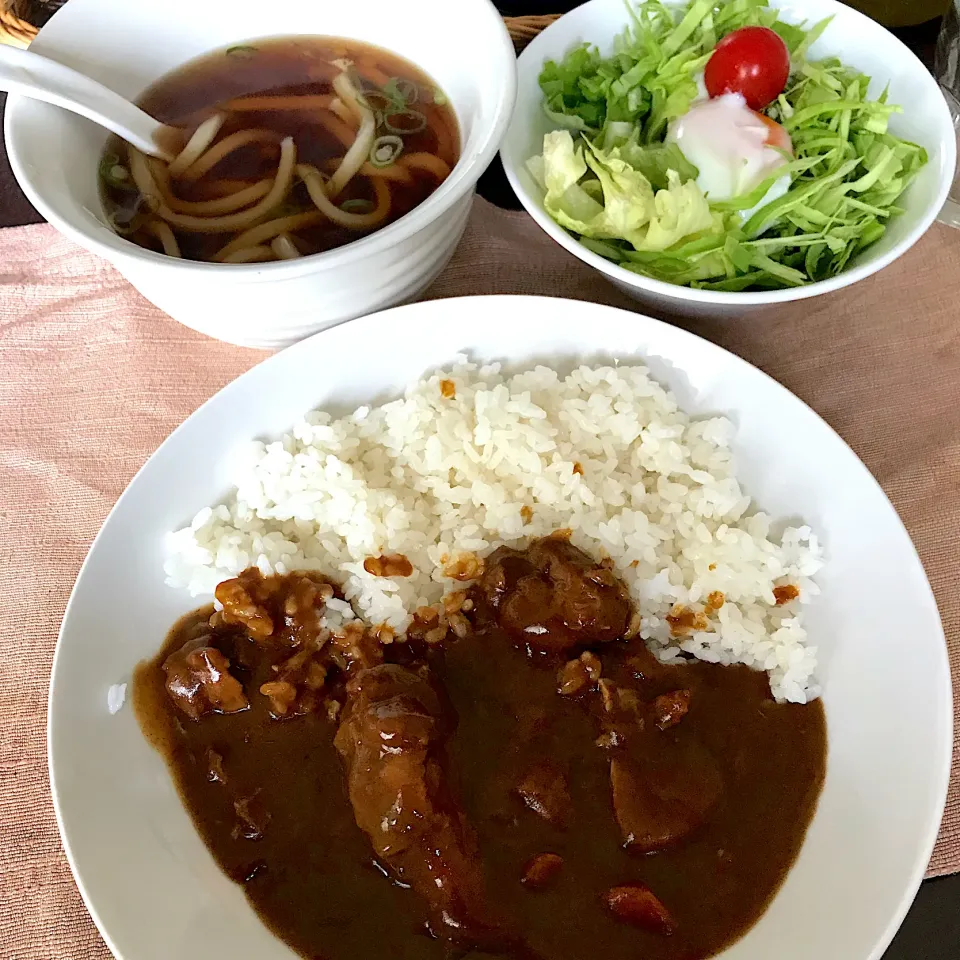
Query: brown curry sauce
(712, 776)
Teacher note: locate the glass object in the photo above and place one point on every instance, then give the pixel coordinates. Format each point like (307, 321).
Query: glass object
(947, 69)
(900, 13)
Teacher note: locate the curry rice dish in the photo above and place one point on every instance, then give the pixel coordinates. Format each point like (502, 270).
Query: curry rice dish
(517, 776)
(501, 668)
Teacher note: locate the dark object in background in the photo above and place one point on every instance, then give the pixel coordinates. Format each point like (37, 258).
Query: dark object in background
(20, 19)
(529, 8)
(15, 209)
(37, 12)
(947, 60)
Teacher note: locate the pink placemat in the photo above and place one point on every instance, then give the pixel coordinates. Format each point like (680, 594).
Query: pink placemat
(92, 378)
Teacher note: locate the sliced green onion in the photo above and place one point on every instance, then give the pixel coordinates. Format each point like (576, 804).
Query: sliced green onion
(377, 100)
(243, 51)
(419, 121)
(402, 90)
(385, 150)
(439, 97)
(357, 206)
(114, 173)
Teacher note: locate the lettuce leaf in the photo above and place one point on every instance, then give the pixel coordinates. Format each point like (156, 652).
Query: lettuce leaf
(681, 211)
(600, 196)
(562, 166)
(654, 161)
(628, 199)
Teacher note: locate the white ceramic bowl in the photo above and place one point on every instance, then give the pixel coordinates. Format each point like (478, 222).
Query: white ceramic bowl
(129, 45)
(148, 880)
(856, 39)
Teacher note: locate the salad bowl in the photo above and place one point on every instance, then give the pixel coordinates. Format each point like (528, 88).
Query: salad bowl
(858, 42)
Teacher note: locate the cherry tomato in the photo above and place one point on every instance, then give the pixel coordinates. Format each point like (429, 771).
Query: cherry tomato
(776, 135)
(752, 61)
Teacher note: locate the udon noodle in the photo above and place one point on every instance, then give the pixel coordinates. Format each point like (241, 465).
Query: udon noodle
(287, 148)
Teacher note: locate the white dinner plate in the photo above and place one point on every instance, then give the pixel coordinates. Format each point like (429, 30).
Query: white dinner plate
(155, 892)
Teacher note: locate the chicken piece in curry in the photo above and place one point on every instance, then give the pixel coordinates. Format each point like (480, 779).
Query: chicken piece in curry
(534, 785)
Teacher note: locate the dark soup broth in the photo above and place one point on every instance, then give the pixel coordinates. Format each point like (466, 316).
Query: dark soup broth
(284, 148)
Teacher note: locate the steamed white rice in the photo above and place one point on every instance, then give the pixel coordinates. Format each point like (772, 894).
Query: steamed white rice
(433, 478)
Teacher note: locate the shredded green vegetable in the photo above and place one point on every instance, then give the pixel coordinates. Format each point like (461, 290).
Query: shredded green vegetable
(610, 178)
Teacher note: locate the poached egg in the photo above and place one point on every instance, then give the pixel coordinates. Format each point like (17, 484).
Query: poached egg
(734, 148)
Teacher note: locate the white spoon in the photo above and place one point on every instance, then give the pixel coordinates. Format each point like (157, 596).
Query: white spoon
(32, 75)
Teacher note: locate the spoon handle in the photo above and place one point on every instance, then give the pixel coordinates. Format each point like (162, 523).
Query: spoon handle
(32, 75)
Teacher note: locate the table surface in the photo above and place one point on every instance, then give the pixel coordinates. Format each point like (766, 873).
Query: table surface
(931, 930)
